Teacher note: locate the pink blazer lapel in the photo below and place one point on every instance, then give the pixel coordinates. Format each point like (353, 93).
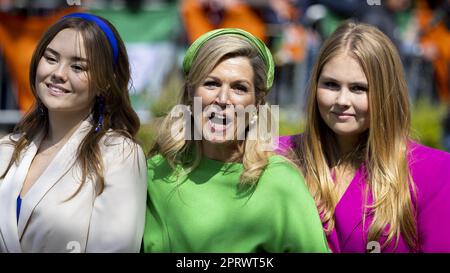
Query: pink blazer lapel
(348, 235)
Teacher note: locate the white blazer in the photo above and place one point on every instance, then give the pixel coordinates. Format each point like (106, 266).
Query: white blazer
(110, 222)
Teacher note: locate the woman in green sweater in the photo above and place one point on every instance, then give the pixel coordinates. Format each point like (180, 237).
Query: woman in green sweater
(215, 184)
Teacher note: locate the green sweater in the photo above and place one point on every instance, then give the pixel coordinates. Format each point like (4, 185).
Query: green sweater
(209, 212)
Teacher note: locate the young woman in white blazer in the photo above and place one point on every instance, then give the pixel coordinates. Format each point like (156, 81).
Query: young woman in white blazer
(72, 177)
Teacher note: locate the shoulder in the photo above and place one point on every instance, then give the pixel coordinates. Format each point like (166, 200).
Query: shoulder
(429, 167)
(7, 144)
(282, 186)
(115, 146)
(158, 167)
(123, 161)
(283, 176)
(279, 163)
(114, 139)
(427, 158)
(155, 161)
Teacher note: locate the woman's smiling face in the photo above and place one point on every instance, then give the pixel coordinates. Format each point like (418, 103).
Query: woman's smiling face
(62, 80)
(229, 84)
(342, 96)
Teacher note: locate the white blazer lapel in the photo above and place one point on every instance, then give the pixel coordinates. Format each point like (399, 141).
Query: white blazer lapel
(61, 163)
(9, 191)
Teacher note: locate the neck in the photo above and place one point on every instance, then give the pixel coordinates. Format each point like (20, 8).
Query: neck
(220, 152)
(62, 125)
(347, 145)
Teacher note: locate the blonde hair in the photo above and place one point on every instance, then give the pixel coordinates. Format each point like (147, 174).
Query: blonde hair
(382, 148)
(187, 153)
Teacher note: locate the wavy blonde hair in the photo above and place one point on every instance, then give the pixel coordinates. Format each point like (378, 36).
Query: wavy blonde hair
(187, 153)
(382, 148)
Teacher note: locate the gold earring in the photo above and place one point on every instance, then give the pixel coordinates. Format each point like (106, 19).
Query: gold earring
(254, 118)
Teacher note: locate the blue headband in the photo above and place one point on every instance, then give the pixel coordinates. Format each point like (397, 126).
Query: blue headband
(103, 26)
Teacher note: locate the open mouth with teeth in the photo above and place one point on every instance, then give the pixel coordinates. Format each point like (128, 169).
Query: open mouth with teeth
(219, 122)
(219, 119)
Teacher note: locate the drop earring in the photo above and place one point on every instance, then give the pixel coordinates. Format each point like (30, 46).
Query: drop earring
(254, 118)
(100, 105)
(41, 109)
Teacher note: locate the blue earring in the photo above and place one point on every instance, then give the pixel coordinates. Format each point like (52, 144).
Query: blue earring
(41, 109)
(101, 105)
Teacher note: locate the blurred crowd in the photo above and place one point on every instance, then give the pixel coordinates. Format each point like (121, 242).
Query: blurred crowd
(157, 33)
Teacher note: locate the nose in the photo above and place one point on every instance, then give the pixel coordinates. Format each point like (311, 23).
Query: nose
(343, 97)
(60, 73)
(223, 98)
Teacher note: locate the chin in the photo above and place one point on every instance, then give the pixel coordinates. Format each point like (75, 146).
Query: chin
(347, 132)
(58, 108)
(54, 107)
(218, 139)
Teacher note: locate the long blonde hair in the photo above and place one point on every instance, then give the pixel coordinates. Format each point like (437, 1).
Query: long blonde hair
(187, 153)
(108, 80)
(382, 148)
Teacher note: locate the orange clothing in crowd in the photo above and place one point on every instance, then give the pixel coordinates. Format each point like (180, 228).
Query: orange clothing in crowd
(438, 37)
(19, 36)
(239, 15)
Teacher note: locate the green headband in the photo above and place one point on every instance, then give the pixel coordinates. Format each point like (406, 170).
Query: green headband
(264, 52)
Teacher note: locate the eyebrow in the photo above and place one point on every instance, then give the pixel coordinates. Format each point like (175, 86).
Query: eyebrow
(237, 81)
(73, 58)
(326, 78)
